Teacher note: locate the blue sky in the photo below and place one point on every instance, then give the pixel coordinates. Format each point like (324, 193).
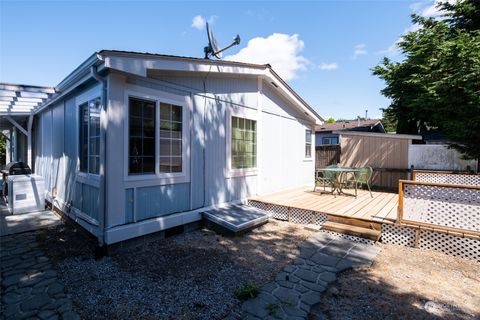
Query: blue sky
(324, 49)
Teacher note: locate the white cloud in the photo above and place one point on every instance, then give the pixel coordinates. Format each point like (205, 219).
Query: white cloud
(328, 66)
(198, 22)
(281, 51)
(359, 50)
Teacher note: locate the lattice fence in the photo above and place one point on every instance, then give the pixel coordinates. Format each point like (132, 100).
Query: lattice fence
(398, 235)
(448, 178)
(461, 247)
(467, 248)
(296, 215)
(442, 206)
(349, 237)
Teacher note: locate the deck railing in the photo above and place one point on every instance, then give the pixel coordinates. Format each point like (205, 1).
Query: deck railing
(446, 177)
(452, 208)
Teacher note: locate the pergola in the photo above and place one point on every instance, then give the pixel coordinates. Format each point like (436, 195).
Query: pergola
(18, 104)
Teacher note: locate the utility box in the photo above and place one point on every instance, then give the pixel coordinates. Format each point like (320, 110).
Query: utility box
(26, 193)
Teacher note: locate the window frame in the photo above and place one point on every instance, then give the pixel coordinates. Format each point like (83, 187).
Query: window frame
(330, 140)
(92, 179)
(158, 178)
(246, 113)
(308, 157)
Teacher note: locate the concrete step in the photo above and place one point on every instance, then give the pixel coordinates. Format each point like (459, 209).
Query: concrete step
(352, 230)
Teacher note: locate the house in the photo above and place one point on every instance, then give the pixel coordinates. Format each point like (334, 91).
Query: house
(325, 133)
(134, 143)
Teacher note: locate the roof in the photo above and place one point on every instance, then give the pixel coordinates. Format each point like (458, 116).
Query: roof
(140, 63)
(16, 99)
(204, 65)
(347, 125)
(379, 135)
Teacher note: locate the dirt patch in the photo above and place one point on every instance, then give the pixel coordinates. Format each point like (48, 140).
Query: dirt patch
(190, 276)
(405, 283)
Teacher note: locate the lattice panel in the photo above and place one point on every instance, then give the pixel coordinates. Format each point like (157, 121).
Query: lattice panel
(456, 246)
(321, 218)
(442, 206)
(278, 212)
(257, 204)
(301, 216)
(349, 237)
(398, 235)
(448, 178)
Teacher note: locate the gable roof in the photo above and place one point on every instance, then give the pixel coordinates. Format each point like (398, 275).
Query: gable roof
(139, 63)
(348, 125)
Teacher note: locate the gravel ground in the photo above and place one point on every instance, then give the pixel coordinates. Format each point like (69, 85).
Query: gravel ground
(190, 276)
(405, 283)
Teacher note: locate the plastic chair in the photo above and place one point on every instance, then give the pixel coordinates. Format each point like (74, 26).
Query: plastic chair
(363, 176)
(328, 177)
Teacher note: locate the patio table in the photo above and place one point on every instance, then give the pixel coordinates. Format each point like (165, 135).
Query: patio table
(341, 174)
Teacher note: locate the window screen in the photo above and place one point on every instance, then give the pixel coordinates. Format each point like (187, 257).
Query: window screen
(170, 138)
(244, 143)
(141, 141)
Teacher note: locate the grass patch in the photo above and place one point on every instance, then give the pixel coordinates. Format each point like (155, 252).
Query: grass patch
(248, 291)
(272, 308)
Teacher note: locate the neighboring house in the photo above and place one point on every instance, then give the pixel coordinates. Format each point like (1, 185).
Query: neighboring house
(325, 133)
(134, 143)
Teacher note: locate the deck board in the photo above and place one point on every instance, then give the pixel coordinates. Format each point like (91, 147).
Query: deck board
(381, 208)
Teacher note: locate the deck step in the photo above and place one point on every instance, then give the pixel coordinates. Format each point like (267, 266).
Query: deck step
(352, 230)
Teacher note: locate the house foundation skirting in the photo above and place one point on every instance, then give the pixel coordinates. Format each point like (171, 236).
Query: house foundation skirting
(291, 214)
(464, 247)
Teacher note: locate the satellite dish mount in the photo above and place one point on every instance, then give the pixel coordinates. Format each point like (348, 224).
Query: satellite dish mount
(213, 49)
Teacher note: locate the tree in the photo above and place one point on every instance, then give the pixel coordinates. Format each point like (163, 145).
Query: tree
(437, 85)
(3, 149)
(330, 120)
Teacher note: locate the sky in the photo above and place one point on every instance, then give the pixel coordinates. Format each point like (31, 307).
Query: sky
(325, 50)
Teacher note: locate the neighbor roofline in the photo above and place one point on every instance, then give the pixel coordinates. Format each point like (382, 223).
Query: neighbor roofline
(376, 134)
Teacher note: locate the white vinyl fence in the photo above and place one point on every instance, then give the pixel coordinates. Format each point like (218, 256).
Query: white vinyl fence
(438, 157)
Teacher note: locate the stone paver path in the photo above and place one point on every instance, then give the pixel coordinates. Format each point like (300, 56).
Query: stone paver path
(29, 284)
(299, 286)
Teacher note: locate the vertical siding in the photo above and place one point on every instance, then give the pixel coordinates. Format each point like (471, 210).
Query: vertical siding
(284, 165)
(129, 202)
(283, 160)
(377, 152)
(158, 201)
(56, 156)
(71, 149)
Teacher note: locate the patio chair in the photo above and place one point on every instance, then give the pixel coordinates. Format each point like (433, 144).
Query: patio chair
(363, 176)
(327, 178)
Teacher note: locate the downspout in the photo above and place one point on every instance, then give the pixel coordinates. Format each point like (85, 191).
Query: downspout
(101, 250)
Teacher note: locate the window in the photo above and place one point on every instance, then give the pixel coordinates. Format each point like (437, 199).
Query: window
(141, 141)
(244, 143)
(330, 140)
(170, 138)
(308, 143)
(89, 144)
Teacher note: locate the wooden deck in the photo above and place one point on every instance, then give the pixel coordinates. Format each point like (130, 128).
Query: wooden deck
(382, 208)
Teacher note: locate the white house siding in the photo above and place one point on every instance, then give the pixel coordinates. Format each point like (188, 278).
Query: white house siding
(280, 132)
(283, 135)
(56, 157)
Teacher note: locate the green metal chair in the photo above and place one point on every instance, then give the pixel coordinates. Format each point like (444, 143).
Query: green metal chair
(327, 178)
(363, 176)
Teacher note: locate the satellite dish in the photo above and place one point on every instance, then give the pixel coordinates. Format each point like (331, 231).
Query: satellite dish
(213, 49)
